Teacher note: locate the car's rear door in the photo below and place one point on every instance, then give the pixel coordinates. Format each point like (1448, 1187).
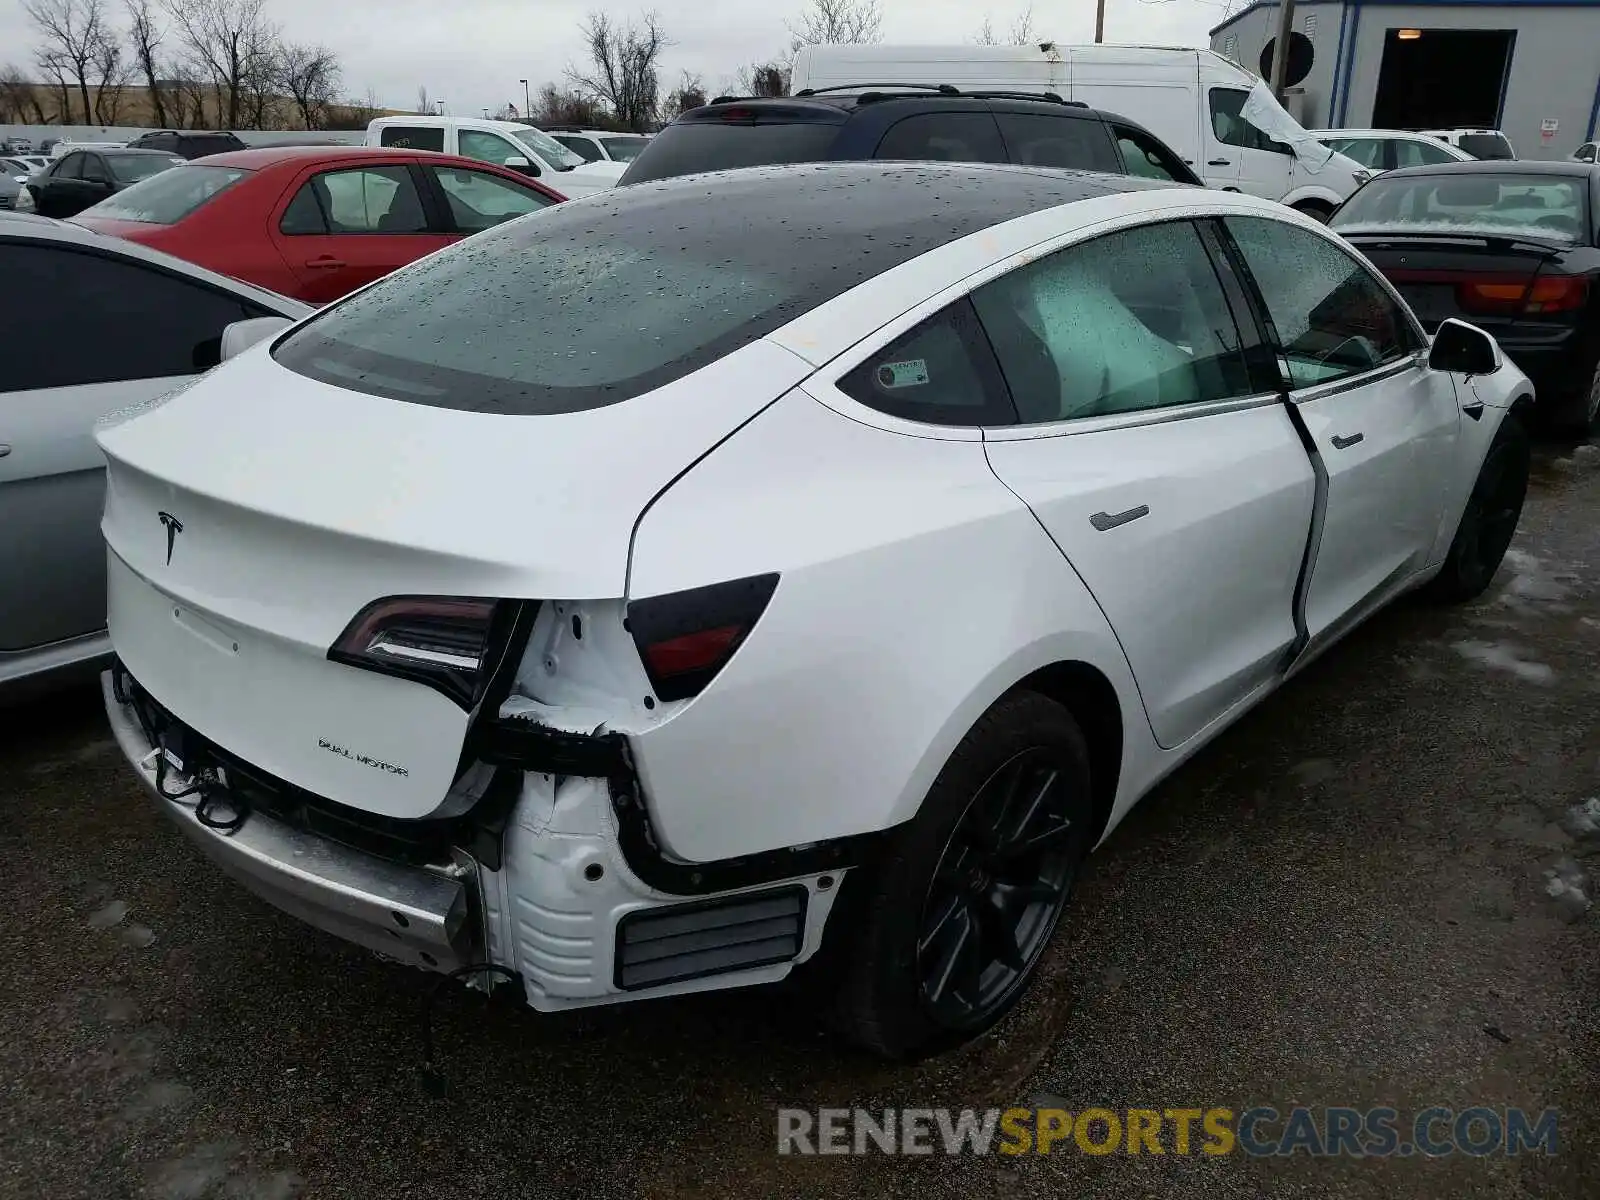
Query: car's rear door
(474, 200)
(87, 333)
(1154, 449)
(342, 227)
(1383, 425)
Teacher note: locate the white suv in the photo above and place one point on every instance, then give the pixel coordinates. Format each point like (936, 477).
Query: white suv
(1479, 143)
(507, 143)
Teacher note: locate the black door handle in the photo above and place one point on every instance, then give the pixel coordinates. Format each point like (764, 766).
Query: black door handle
(1218, 162)
(1104, 520)
(1344, 443)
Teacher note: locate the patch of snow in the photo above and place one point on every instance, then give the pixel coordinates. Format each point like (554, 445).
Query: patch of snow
(1568, 885)
(1583, 819)
(1501, 657)
(109, 916)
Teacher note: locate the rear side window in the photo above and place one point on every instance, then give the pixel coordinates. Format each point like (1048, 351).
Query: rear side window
(1070, 142)
(1366, 151)
(412, 137)
(1145, 157)
(167, 198)
(944, 137)
(1420, 154)
(941, 373)
(581, 146)
(364, 200)
(1487, 145)
(689, 147)
(73, 318)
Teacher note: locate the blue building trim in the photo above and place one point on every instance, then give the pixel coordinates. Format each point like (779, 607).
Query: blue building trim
(1338, 67)
(1594, 112)
(1349, 63)
(1250, 8)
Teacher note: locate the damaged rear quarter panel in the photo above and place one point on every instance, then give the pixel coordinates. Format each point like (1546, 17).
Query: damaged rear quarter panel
(915, 589)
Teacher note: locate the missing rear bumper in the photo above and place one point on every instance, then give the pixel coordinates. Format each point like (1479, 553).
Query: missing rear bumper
(419, 915)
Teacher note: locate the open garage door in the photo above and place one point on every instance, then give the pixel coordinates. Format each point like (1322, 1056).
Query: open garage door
(1443, 78)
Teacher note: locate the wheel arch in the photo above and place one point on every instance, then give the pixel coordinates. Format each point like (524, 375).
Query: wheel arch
(1085, 691)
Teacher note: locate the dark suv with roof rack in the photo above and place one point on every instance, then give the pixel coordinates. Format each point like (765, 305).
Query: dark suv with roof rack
(905, 121)
(188, 144)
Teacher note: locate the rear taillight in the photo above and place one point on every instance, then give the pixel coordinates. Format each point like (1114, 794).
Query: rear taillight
(685, 638)
(441, 641)
(1549, 293)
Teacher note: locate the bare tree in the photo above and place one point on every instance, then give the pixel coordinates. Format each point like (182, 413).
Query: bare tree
(764, 79)
(310, 74)
(112, 71)
(423, 106)
(690, 93)
(554, 105)
(144, 38)
(58, 74)
(838, 23)
(19, 99)
(231, 42)
(1023, 32)
(622, 67)
(70, 33)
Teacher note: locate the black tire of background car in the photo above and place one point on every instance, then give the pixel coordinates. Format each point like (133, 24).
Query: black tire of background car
(1572, 413)
(879, 1002)
(1489, 520)
(1315, 209)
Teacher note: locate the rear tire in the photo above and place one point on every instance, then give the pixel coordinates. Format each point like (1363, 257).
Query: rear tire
(954, 919)
(1489, 520)
(1573, 415)
(1316, 210)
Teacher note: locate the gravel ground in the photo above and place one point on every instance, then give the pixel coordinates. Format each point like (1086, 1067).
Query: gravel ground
(1330, 906)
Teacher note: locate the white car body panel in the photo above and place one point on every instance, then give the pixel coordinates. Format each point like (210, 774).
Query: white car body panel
(1164, 88)
(923, 572)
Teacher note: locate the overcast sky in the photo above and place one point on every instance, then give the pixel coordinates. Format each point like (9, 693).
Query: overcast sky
(471, 53)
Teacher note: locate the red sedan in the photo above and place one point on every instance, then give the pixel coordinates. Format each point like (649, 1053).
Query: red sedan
(314, 222)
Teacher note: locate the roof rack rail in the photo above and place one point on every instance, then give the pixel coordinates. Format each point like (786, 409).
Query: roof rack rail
(1048, 97)
(944, 89)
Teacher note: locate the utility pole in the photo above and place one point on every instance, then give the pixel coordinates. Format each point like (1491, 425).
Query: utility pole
(527, 101)
(1100, 21)
(1280, 48)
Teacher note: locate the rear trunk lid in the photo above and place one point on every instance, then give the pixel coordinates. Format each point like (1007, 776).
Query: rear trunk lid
(1489, 281)
(252, 516)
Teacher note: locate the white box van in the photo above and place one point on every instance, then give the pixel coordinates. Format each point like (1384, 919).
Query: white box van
(520, 147)
(1221, 119)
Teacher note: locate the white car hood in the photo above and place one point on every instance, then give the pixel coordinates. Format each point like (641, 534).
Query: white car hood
(587, 179)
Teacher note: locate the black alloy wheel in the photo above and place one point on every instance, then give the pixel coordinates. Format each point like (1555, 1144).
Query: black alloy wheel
(999, 890)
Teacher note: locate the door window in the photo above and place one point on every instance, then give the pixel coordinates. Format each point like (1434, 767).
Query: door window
(1232, 129)
(944, 137)
(1332, 318)
(1366, 151)
(942, 372)
(1072, 142)
(490, 148)
(584, 147)
(92, 169)
(413, 137)
(361, 200)
(69, 167)
(478, 200)
(1586, 153)
(1420, 154)
(75, 318)
(1129, 321)
(1147, 158)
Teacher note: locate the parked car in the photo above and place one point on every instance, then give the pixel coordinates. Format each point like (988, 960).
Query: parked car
(92, 325)
(1385, 149)
(1585, 153)
(314, 222)
(522, 148)
(1510, 246)
(12, 177)
(905, 123)
(600, 145)
(17, 168)
(85, 177)
(1220, 119)
(66, 145)
(1484, 144)
(587, 602)
(33, 162)
(189, 144)
(16, 145)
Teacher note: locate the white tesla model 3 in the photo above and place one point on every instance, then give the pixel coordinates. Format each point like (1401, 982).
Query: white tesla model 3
(635, 597)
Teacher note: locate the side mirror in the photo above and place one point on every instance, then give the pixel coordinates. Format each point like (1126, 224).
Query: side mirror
(241, 335)
(518, 163)
(1463, 349)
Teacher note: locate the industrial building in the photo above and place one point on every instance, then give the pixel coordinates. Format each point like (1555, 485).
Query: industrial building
(1530, 68)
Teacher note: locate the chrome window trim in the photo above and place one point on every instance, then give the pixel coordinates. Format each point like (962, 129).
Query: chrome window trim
(1131, 420)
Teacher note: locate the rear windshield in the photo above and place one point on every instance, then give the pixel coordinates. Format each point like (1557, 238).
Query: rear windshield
(130, 168)
(1546, 207)
(169, 197)
(585, 305)
(1487, 145)
(689, 147)
(199, 147)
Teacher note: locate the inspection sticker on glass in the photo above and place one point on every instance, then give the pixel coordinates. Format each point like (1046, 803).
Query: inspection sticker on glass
(911, 373)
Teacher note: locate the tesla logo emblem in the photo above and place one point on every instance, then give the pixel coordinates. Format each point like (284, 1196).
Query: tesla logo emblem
(174, 528)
